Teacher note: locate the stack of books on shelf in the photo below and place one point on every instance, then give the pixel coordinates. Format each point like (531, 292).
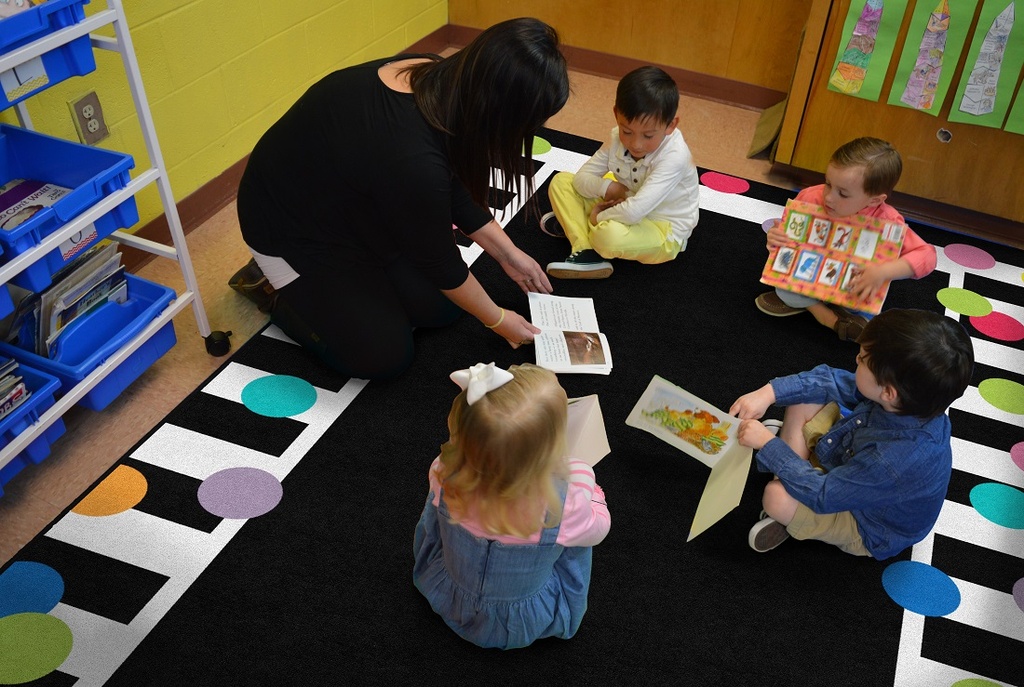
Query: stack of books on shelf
(90, 280)
(13, 391)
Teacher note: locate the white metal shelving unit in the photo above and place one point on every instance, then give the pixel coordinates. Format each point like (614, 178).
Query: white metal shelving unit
(121, 43)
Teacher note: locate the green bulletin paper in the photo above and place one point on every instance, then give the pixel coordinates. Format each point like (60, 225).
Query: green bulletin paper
(866, 47)
(1015, 122)
(961, 14)
(1008, 68)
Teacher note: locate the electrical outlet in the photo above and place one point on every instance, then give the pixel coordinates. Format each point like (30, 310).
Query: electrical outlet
(88, 117)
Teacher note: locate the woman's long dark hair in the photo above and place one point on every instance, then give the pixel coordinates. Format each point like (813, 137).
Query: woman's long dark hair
(491, 98)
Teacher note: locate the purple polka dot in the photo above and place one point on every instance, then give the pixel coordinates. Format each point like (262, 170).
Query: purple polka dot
(239, 493)
(724, 182)
(1018, 593)
(768, 223)
(1017, 454)
(969, 256)
(999, 326)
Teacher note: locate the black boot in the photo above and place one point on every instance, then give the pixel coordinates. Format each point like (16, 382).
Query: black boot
(251, 283)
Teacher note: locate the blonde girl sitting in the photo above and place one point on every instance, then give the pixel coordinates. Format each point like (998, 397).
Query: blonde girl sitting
(503, 547)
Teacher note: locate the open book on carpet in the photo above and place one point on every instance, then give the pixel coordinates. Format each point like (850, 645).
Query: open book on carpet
(570, 340)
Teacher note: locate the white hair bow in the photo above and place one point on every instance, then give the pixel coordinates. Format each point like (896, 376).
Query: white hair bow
(479, 379)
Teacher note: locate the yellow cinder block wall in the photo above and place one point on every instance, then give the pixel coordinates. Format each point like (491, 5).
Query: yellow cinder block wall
(218, 73)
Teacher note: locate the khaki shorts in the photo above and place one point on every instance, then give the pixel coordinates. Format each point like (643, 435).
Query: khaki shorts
(838, 529)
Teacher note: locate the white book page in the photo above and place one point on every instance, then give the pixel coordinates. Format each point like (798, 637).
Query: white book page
(560, 312)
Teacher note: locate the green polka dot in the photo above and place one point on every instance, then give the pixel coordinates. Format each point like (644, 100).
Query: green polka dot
(999, 503)
(975, 682)
(32, 645)
(1004, 394)
(279, 396)
(540, 146)
(964, 302)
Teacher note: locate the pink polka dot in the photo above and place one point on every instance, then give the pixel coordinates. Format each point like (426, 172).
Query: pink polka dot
(1017, 454)
(999, 326)
(969, 256)
(724, 183)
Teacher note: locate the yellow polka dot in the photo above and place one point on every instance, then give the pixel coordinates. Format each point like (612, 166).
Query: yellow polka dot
(121, 490)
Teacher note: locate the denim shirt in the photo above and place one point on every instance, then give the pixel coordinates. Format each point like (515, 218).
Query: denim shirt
(890, 471)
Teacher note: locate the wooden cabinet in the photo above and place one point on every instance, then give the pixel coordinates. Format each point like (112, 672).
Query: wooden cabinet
(978, 169)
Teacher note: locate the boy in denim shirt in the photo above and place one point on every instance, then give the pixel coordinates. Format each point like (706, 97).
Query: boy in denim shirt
(872, 482)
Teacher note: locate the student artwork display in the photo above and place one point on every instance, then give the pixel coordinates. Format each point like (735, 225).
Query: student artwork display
(869, 35)
(830, 253)
(983, 84)
(992, 68)
(935, 41)
(924, 79)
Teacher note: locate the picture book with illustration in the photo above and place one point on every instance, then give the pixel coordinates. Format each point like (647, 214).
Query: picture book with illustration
(569, 340)
(704, 432)
(830, 253)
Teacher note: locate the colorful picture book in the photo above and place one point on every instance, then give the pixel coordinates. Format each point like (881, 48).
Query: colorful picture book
(830, 254)
(704, 432)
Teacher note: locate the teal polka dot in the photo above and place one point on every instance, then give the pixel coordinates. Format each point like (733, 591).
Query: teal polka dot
(27, 587)
(920, 588)
(278, 396)
(1000, 503)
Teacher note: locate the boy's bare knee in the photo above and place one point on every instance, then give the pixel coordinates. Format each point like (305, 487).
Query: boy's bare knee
(777, 502)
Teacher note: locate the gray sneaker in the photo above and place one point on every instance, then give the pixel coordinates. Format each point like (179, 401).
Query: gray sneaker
(583, 264)
(767, 534)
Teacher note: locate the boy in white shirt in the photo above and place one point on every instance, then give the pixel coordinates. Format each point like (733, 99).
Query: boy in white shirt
(649, 209)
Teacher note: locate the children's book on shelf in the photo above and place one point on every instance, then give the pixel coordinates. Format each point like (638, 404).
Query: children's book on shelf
(94, 278)
(9, 8)
(704, 432)
(13, 391)
(21, 199)
(570, 340)
(830, 253)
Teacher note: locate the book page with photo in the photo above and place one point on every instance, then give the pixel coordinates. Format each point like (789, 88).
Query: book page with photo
(570, 340)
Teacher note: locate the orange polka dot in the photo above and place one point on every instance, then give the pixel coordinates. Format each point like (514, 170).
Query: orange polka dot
(121, 490)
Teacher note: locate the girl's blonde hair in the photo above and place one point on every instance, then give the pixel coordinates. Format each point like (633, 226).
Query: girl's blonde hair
(504, 453)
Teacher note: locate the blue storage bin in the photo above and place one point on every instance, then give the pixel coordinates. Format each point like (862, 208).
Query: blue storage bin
(91, 339)
(6, 304)
(43, 387)
(90, 173)
(74, 58)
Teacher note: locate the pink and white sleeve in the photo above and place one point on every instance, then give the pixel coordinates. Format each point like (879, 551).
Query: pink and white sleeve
(585, 516)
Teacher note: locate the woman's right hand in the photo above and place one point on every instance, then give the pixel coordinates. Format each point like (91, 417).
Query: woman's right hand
(516, 329)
